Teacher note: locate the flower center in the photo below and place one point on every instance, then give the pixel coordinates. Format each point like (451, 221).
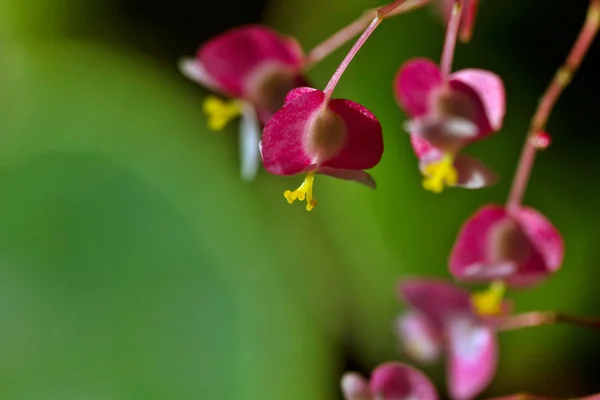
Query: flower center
(440, 174)
(325, 135)
(269, 85)
(303, 192)
(489, 302)
(220, 112)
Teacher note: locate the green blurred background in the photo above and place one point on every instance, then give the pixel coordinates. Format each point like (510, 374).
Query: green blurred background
(134, 263)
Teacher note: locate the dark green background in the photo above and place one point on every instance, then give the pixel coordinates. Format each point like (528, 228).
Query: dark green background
(134, 263)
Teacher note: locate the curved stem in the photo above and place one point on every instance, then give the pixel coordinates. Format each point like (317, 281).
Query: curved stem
(561, 80)
(450, 41)
(380, 15)
(538, 318)
(338, 39)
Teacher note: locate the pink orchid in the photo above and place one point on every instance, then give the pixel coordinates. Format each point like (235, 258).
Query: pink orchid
(441, 317)
(315, 134)
(389, 381)
(256, 67)
(520, 247)
(448, 114)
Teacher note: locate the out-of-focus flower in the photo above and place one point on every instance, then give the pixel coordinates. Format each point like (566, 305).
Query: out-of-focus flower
(389, 381)
(448, 114)
(255, 67)
(445, 312)
(520, 247)
(314, 134)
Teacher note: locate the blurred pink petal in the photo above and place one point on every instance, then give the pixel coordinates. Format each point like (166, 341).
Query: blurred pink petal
(472, 173)
(349, 175)
(473, 353)
(420, 340)
(355, 387)
(397, 381)
(414, 84)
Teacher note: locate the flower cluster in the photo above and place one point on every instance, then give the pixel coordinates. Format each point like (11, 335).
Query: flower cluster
(298, 129)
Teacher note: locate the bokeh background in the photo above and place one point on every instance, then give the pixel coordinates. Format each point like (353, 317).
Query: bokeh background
(134, 263)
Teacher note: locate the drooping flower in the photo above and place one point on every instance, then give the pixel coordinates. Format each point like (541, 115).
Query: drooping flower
(389, 381)
(447, 316)
(256, 68)
(446, 115)
(520, 247)
(313, 134)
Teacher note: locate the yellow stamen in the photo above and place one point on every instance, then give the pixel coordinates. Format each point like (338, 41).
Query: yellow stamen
(220, 112)
(440, 174)
(304, 191)
(489, 301)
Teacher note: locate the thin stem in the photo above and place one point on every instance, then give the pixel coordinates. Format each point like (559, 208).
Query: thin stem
(538, 318)
(339, 38)
(561, 80)
(450, 42)
(380, 15)
(468, 23)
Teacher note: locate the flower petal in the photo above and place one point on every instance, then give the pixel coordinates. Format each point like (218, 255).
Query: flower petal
(349, 175)
(436, 299)
(232, 56)
(473, 355)
(397, 381)
(424, 149)
(195, 71)
(448, 134)
(363, 145)
(473, 174)
(299, 91)
(490, 90)
(249, 139)
(355, 387)
(420, 339)
(283, 150)
(414, 83)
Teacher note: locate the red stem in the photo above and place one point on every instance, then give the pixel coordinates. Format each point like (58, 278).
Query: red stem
(539, 318)
(561, 80)
(380, 15)
(450, 42)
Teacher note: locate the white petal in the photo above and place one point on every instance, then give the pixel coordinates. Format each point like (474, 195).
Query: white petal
(194, 70)
(249, 143)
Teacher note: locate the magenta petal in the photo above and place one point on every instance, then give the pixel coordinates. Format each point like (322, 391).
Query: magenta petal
(363, 145)
(397, 381)
(436, 299)
(424, 149)
(473, 354)
(299, 91)
(490, 89)
(414, 83)
(282, 145)
(472, 173)
(349, 175)
(232, 56)
(420, 339)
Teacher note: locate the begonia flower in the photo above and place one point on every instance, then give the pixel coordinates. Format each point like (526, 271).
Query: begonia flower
(389, 381)
(520, 247)
(447, 314)
(446, 115)
(313, 134)
(256, 68)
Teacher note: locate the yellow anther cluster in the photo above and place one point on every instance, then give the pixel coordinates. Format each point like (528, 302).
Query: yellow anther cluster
(303, 192)
(440, 174)
(489, 301)
(220, 112)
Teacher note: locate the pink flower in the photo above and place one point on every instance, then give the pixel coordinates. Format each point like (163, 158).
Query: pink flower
(520, 247)
(445, 313)
(448, 114)
(256, 67)
(389, 381)
(314, 134)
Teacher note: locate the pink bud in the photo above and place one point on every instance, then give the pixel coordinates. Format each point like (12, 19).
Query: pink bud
(397, 381)
(540, 140)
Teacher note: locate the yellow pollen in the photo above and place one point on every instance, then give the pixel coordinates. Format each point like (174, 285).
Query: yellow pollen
(440, 174)
(304, 191)
(220, 112)
(489, 302)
